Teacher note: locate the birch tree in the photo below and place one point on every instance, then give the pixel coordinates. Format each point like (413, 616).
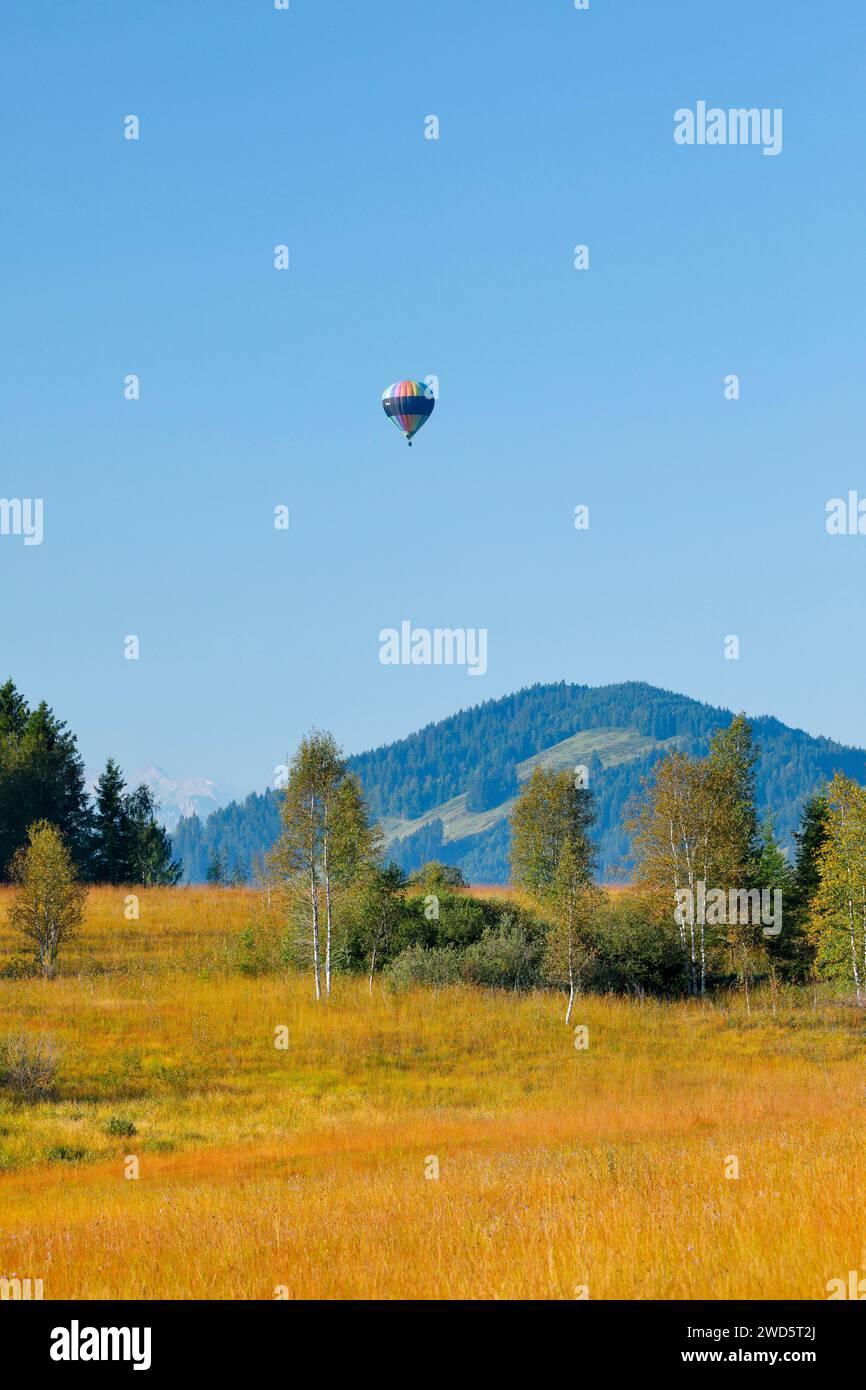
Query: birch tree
(552, 810)
(48, 905)
(325, 839)
(573, 905)
(381, 903)
(672, 829)
(350, 848)
(696, 824)
(553, 858)
(840, 902)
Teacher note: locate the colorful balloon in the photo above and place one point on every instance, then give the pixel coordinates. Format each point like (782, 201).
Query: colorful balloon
(409, 404)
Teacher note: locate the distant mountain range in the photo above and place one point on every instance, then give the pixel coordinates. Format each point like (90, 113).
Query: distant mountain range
(447, 791)
(178, 798)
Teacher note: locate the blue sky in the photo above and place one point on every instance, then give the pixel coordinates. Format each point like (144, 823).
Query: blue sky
(412, 257)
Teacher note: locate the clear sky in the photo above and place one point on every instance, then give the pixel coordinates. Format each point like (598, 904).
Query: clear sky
(410, 257)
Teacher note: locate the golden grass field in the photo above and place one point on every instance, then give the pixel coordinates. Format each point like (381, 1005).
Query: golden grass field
(303, 1170)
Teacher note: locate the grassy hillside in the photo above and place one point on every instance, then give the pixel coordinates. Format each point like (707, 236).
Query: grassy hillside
(599, 748)
(446, 791)
(304, 1169)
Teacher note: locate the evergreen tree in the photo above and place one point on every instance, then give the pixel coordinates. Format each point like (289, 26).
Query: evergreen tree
(788, 953)
(41, 779)
(217, 869)
(14, 711)
(150, 859)
(129, 844)
(810, 840)
(731, 761)
(113, 846)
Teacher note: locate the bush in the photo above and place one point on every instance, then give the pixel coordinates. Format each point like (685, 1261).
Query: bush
(635, 953)
(252, 952)
(121, 1128)
(508, 956)
(434, 965)
(435, 877)
(66, 1153)
(18, 968)
(28, 1066)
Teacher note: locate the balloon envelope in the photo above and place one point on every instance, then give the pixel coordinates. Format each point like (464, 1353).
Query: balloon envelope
(409, 404)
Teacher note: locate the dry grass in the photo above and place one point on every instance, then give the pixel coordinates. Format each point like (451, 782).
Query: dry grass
(305, 1168)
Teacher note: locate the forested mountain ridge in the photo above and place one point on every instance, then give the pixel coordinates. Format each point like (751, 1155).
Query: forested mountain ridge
(446, 791)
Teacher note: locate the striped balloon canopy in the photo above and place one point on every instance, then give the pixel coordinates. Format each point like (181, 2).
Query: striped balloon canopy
(408, 404)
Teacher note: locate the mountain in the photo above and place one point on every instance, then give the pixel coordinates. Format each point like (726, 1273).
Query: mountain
(446, 792)
(178, 798)
(181, 798)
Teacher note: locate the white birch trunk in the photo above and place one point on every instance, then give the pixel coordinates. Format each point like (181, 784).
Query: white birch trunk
(314, 899)
(570, 1003)
(328, 921)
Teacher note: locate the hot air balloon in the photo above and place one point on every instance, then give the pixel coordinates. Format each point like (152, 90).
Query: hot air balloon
(408, 404)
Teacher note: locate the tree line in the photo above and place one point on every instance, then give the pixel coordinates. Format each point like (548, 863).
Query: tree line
(696, 839)
(696, 917)
(112, 836)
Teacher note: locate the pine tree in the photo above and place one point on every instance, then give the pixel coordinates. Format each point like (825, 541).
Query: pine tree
(217, 869)
(150, 857)
(14, 711)
(732, 759)
(41, 779)
(787, 953)
(810, 839)
(113, 839)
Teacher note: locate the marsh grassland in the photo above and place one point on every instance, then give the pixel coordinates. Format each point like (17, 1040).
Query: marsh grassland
(304, 1169)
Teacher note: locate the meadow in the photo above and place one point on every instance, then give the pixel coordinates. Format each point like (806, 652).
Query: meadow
(309, 1171)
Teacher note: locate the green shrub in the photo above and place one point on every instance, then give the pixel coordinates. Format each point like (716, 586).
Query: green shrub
(66, 1153)
(508, 956)
(636, 954)
(433, 965)
(446, 919)
(252, 952)
(120, 1127)
(435, 877)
